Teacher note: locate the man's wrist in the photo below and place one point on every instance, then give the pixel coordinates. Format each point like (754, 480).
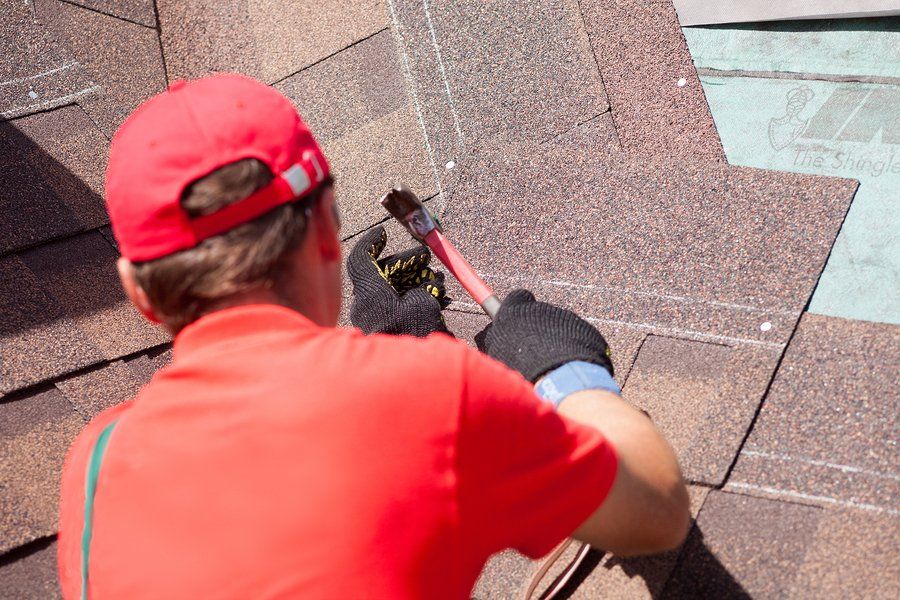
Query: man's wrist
(572, 377)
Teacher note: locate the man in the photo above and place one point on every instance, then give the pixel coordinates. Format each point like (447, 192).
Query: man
(281, 456)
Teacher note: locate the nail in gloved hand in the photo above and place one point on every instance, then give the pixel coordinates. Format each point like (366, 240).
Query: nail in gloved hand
(398, 294)
(536, 337)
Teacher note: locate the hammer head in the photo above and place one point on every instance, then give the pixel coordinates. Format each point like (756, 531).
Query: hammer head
(406, 207)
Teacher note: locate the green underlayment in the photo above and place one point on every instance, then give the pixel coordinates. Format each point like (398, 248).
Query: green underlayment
(840, 128)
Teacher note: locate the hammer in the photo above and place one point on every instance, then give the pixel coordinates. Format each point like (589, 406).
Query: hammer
(406, 207)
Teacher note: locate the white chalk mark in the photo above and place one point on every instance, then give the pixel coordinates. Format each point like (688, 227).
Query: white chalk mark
(407, 72)
(55, 101)
(450, 165)
(682, 82)
(766, 326)
(657, 329)
(684, 299)
(687, 333)
(813, 498)
(32, 94)
(39, 75)
(821, 463)
(437, 51)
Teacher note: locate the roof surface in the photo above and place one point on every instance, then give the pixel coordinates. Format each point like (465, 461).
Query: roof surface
(569, 148)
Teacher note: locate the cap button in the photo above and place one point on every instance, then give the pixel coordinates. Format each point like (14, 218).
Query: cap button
(177, 85)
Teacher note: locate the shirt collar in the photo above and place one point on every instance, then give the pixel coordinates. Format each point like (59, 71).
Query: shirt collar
(229, 324)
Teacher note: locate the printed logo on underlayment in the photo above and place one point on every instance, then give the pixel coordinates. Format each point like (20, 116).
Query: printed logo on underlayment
(854, 133)
(787, 128)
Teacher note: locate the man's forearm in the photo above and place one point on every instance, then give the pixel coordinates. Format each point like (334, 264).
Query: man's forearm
(649, 485)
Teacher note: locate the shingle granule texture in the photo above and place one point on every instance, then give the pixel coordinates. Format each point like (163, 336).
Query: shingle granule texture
(51, 165)
(657, 101)
(32, 575)
(98, 389)
(357, 106)
(138, 11)
(702, 396)
(146, 364)
(36, 433)
(827, 432)
(261, 38)
(34, 74)
(699, 250)
(746, 547)
(124, 59)
(37, 340)
(80, 274)
(498, 70)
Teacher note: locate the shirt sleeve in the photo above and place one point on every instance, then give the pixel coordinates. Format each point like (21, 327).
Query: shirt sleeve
(527, 476)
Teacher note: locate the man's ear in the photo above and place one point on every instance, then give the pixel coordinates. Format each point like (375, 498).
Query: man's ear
(326, 223)
(135, 292)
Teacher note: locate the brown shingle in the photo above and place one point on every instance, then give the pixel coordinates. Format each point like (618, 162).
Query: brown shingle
(702, 396)
(70, 153)
(30, 210)
(35, 433)
(261, 38)
(34, 75)
(80, 274)
(139, 11)
(37, 340)
(144, 365)
(30, 575)
(695, 250)
(643, 57)
(357, 105)
(96, 390)
(753, 547)
(123, 58)
(506, 70)
(827, 432)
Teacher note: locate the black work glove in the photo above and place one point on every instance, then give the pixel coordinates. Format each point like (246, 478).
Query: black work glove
(536, 337)
(398, 294)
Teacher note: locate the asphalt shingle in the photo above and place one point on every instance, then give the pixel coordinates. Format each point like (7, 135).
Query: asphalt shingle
(357, 104)
(139, 11)
(36, 432)
(34, 76)
(51, 166)
(37, 340)
(657, 101)
(702, 396)
(124, 59)
(32, 575)
(746, 547)
(687, 250)
(80, 274)
(827, 433)
(93, 391)
(498, 70)
(261, 38)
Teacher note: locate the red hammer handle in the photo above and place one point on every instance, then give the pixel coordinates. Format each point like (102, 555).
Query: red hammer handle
(460, 268)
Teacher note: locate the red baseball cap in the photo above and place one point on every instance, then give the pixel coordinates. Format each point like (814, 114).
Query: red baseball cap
(186, 133)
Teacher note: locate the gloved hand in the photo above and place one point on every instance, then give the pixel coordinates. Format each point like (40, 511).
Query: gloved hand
(398, 294)
(536, 337)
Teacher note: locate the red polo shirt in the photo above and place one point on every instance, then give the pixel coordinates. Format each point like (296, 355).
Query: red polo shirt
(274, 458)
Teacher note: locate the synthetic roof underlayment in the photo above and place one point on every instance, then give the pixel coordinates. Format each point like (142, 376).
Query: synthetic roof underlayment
(569, 148)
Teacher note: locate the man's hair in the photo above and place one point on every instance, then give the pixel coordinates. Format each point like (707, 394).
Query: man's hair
(185, 285)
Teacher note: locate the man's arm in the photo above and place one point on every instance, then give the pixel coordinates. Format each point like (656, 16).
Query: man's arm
(647, 510)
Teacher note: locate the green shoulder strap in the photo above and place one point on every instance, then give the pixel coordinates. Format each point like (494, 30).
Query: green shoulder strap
(90, 489)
